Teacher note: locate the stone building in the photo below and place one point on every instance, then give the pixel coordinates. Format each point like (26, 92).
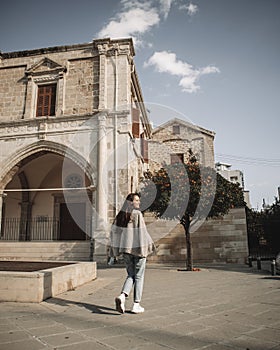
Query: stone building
(73, 130)
(172, 141)
(215, 240)
(75, 138)
(235, 176)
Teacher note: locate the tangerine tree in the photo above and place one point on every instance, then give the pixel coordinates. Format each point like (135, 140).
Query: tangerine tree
(190, 193)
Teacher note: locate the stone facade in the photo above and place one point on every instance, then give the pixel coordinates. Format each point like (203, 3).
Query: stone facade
(64, 174)
(222, 240)
(176, 137)
(84, 153)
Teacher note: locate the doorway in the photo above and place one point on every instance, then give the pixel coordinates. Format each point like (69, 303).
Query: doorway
(72, 228)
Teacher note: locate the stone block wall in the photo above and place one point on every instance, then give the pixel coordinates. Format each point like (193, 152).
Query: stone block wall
(222, 240)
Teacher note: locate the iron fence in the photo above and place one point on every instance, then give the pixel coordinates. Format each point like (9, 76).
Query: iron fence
(40, 229)
(264, 239)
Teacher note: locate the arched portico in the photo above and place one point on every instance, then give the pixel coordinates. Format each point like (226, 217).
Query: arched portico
(49, 194)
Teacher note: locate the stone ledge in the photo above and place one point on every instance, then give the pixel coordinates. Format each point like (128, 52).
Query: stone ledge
(34, 287)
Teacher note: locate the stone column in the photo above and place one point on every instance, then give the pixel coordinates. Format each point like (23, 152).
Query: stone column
(100, 235)
(25, 221)
(2, 195)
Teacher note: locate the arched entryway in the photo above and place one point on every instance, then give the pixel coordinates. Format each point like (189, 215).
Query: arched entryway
(48, 196)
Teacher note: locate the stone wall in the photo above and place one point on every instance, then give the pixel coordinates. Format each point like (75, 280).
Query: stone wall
(222, 240)
(165, 142)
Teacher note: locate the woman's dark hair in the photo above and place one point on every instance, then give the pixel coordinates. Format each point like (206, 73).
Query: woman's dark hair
(123, 216)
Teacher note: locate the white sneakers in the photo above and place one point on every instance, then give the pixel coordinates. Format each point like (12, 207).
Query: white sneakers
(137, 308)
(120, 300)
(120, 307)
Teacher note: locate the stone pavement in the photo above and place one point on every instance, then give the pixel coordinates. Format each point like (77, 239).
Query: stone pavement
(221, 307)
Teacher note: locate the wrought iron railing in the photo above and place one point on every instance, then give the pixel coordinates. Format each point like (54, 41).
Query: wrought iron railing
(41, 229)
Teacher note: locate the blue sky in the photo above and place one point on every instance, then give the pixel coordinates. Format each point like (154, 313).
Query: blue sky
(212, 62)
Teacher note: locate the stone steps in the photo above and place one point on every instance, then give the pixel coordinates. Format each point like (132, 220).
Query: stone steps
(36, 251)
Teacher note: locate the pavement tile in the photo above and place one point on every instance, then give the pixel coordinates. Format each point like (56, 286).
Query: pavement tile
(251, 343)
(184, 343)
(221, 347)
(36, 322)
(49, 330)
(124, 342)
(27, 344)
(106, 332)
(181, 328)
(86, 345)
(57, 340)
(152, 346)
(13, 335)
(266, 333)
(277, 347)
(7, 327)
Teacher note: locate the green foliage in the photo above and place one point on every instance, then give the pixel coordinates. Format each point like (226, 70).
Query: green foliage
(188, 190)
(227, 196)
(263, 230)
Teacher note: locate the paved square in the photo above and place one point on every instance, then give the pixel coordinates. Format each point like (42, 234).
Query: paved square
(221, 307)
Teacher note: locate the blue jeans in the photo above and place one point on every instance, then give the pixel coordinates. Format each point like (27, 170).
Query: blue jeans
(135, 267)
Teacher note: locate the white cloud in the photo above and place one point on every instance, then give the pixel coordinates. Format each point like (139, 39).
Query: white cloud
(167, 62)
(134, 19)
(130, 23)
(191, 8)
(165, 6)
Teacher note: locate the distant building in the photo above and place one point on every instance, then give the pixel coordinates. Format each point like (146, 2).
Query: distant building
(235, 176)
(172, 141)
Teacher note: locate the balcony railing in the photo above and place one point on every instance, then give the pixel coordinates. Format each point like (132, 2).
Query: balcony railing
(42, 229)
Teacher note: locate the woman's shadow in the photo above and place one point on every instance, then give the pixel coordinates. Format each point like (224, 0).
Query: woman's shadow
(95, 309)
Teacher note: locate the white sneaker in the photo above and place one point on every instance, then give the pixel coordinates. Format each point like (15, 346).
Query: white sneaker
(137, 308)
(120, 300)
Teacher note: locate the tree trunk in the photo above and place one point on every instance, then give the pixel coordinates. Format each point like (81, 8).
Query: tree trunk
(186, 221)
(189, 260)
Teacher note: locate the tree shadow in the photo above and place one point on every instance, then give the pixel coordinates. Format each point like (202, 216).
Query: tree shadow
(272, 278)
(95, 309)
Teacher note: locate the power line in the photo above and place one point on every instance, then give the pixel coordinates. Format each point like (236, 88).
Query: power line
(250, 160)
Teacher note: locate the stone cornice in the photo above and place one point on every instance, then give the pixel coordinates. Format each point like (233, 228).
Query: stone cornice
(109, 46)
(23, 122)
(47, 50)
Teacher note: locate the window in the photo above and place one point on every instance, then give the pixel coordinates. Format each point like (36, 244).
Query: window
(46, 100)
(176, 129)
(135, 123)
(177, 158)
(233, 179)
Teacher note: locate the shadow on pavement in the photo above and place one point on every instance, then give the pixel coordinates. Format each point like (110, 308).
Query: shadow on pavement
(95, 309)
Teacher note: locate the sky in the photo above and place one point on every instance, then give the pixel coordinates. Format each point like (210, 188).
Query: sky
(214, 63)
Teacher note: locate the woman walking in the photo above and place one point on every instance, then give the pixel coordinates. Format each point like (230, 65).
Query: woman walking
(129, 237)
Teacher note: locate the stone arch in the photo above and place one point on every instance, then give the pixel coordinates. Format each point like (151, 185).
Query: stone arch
(11, 167)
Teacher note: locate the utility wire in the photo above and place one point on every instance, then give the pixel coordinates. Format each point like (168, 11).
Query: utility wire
(250, 160)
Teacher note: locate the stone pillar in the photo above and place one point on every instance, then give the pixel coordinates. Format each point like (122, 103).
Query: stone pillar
(100, 234)
(102, 50)
(2, 195)
(25, 221)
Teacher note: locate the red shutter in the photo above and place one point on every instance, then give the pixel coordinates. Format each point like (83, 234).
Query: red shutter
(135, 123)
(46, 100)
(144, 149)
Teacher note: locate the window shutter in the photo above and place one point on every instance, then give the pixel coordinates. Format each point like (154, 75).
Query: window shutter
(135, 123)
(46, 100)
(144, 149)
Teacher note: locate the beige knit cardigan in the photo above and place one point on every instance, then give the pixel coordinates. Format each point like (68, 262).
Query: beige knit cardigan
(133, 239)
